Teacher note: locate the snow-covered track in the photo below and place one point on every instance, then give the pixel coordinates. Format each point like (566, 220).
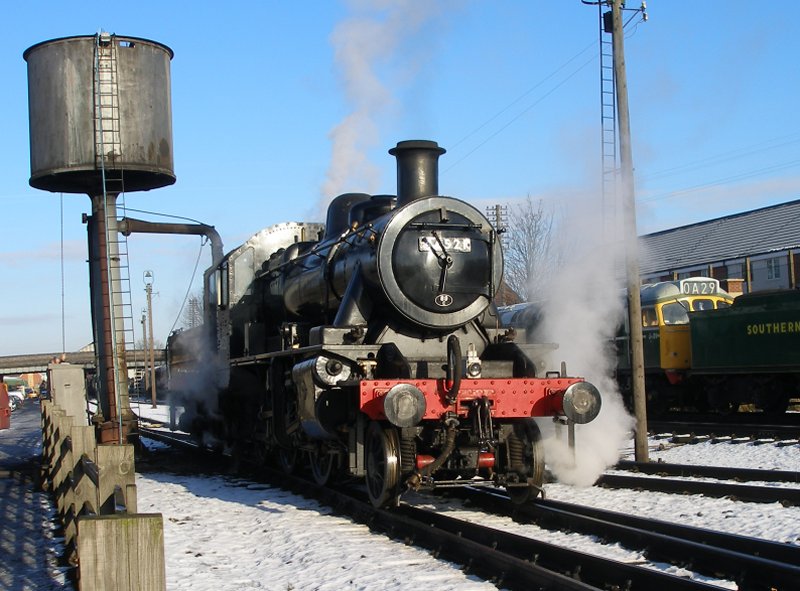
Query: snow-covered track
(718, 472)
(752, 562)
(753, 430)
(741, 492)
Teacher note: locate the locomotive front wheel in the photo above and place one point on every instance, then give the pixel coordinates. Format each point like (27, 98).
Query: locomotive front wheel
(526, 453)
(323, 465)
(382, 459)
(287, 459)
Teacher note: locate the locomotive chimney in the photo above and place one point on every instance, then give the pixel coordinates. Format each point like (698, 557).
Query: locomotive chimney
(417, 169)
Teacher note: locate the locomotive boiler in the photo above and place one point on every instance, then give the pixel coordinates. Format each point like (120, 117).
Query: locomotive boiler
(371, 347)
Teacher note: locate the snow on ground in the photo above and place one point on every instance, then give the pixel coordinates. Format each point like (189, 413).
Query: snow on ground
(228, 534)
(738, 455)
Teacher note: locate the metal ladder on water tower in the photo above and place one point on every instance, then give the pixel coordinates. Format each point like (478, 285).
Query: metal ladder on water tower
(108, 153)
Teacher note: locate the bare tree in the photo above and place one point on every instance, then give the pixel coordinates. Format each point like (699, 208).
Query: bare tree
(140, 345)
(529, 253)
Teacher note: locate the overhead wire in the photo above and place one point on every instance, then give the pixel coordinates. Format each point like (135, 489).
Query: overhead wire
(523, 95)
(203, 242)
(166, 215)
(521, 113)
(722, 181)
(725, 156)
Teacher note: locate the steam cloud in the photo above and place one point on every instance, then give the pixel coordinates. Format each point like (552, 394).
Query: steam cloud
(583, 306)
(370, 39)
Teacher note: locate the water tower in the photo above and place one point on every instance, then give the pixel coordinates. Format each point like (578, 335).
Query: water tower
(101, 124)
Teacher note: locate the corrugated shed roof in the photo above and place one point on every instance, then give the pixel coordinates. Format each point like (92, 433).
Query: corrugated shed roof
(760, 231)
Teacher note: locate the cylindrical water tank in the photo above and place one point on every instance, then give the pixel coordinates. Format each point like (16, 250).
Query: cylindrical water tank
(100, 114)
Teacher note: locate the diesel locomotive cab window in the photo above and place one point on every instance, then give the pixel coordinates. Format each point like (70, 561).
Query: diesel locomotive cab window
(674, 313)
(649, 317)
(702, 304)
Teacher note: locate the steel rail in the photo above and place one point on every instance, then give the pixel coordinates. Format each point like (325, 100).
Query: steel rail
(600, 573)
(719, 472)
(757, 547)
(752, 562)
(487, 553)
(753, 430)
(739, 492)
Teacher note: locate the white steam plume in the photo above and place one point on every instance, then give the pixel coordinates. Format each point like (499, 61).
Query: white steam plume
(365, 44)
(583, 306)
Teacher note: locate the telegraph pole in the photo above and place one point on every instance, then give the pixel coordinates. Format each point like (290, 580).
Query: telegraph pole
(148, 287)
(631, 236)
(144, 346)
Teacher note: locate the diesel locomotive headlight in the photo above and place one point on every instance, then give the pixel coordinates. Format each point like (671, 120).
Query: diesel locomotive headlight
(404, 405)
(582, 402)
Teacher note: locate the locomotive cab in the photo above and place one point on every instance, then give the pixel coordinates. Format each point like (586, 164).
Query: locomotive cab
(666, 310)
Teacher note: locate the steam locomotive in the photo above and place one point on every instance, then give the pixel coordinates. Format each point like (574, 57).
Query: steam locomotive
(370, 347)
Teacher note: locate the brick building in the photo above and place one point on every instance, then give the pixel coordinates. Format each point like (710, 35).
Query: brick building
(749, 251)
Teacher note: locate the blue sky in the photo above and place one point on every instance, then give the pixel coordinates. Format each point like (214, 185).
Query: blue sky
(262, 90)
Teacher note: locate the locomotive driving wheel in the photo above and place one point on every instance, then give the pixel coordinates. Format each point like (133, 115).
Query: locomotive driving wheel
(323, 465)
(286, 458)
(526, 455)
(382, 459)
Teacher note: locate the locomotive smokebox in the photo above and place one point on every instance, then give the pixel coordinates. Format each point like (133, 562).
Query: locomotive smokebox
(100, 114)
(417, 170)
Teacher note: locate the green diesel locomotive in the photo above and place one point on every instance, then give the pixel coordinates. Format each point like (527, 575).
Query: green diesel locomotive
(705, 350)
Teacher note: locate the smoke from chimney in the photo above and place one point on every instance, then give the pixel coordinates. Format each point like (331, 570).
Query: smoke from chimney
(367, 44)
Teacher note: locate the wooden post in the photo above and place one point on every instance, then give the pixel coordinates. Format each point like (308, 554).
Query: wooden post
(116, 548)
(62, 463)
(84, 442)
(116, 469)
(634, 282)
(122, 552)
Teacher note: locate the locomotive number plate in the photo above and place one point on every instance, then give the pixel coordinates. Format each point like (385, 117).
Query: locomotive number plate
(451, 244)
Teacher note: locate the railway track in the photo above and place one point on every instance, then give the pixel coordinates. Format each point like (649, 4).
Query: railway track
(718, 472)
(739, 492)
(753, 563)
(520, 562)
(687, 431)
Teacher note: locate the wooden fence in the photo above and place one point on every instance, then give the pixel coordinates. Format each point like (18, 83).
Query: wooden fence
(95, 495)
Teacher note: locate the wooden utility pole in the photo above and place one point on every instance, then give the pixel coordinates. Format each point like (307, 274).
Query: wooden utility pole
(148, 286)
(631, 236)
(144, 346)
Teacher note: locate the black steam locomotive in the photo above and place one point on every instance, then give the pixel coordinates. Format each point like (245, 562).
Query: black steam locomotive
(370, 347)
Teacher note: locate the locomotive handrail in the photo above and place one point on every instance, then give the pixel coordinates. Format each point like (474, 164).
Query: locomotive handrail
(317, 249)
(445, 226)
